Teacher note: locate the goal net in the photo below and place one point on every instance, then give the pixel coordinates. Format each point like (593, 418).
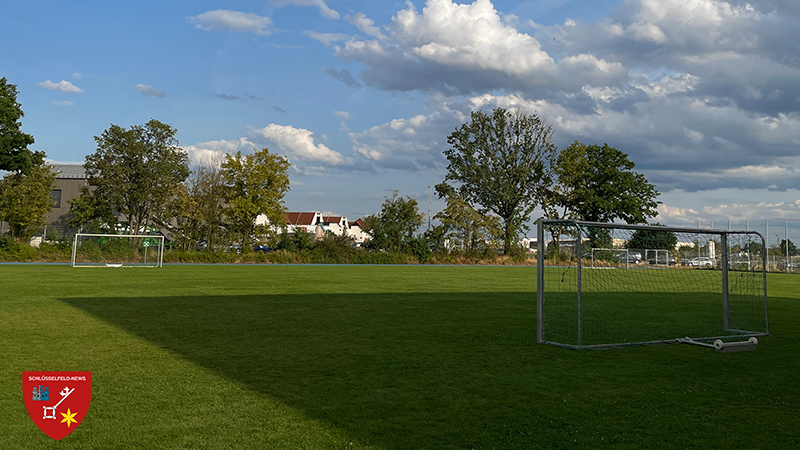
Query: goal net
(117, 250)
(705, 285)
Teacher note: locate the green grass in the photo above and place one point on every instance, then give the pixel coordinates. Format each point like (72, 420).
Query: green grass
(382, 357)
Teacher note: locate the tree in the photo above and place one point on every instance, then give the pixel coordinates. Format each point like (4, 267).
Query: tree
(91, 213)
(792, 247)
(500, 162)
(198, 207)
(25, 199)
(598, 184)
(653, 239)
(255, 184)
(135, 172)
(467, 226)
(14, 153)
(395, 224)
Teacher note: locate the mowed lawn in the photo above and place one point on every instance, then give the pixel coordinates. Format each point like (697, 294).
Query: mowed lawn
(385, 357)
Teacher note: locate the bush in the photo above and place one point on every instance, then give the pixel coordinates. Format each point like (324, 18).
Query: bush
(420, 248)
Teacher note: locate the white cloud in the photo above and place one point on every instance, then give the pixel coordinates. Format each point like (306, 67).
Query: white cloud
(324, 10)
(221, 19)
(452, 48)
(299, 143)
(470, 36)
(64, 103)
(213, 152)
(146, 89)
(366, 25)
(76, 76)
(327, 38)
(343, 114)
(63, 86)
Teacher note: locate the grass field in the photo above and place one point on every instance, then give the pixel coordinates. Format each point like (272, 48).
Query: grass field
(385, 357)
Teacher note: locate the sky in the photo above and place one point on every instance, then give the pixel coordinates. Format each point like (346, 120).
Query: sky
(360, 96)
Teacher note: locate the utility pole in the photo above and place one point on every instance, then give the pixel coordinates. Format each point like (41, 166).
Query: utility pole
(430, 198)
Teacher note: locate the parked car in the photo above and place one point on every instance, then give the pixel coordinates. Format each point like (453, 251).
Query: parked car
(663, 261)
(701, 261)
(262, 248)
(631, 258)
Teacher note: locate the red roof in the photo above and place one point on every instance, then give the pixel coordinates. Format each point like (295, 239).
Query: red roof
(300, 218)
(358, 222)
(331, 219)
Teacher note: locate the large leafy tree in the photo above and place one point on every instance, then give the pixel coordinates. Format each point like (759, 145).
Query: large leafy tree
(26, 198)
(14, 153)
(653, 239)
(255, 184)
(465, 225)
(395, 224)
(135, 172)
(198, 207)
(598, 183)
(500, 162)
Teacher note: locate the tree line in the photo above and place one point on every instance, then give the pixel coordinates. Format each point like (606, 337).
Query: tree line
(502, 165)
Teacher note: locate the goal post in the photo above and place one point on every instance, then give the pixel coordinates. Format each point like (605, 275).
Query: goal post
(719, 294)
(117, 250)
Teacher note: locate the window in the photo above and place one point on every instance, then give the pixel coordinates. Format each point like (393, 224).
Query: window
(56, 198)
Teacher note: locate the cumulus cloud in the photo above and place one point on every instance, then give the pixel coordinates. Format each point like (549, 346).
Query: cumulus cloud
(343, 114)
(146, 89)
(409, 144)
(298, 143)
(222, 19)
(63, 86)
(449, 47)
(366, 25)
(324, 10)
(213, 152)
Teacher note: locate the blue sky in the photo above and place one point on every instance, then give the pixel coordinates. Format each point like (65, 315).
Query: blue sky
(704, 95)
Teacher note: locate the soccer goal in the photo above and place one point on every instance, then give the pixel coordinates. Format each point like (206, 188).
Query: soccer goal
(716, 298)
(117, 250)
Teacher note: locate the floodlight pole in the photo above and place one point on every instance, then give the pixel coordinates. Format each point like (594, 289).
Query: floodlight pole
(786, 237)
(430, 198)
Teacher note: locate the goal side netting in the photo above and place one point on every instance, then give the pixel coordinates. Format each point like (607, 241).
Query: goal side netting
(117, 250)
(612, 285)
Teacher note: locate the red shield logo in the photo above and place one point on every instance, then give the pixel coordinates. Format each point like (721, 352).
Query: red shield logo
(57, 401)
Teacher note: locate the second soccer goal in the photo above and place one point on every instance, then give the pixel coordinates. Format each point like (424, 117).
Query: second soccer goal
(610, 285)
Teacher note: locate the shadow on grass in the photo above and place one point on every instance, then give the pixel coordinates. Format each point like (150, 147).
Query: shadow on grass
(395, 370)
(444, 370)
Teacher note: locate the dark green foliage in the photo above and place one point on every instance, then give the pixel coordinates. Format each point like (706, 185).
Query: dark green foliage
(297, 241)
(14, 153)
(26, 198)
(651, 239)
(420, 248)
(255, 184)
(792, 247)
(136, 172)
(598, 184)
(395, 224)
(499, 162)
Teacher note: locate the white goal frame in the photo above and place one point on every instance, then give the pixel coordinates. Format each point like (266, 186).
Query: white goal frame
(580, 261)
(159, 259)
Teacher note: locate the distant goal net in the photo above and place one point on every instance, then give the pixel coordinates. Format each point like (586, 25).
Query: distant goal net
(614, 285)
(117, 250)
